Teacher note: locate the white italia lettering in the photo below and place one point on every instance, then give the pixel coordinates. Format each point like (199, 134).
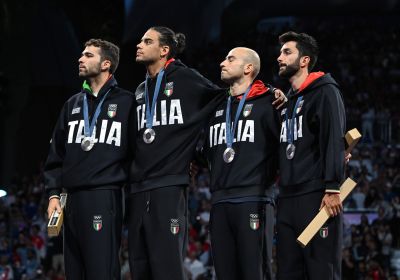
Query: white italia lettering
(139, 115)
(283, 133)
(113, 135)
(222, 134)
(216, 133)
(168, 112)
(175, 108)
(71, 130)
(103, 131)
(239, 129)
(143, 116)
(298, 130)
(248, 132)
(81, 133)
(163, 112)
(155, 121)
(244, 132)
(210, 135)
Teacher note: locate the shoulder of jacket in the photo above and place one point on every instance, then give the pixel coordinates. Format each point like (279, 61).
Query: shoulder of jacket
(74, 97)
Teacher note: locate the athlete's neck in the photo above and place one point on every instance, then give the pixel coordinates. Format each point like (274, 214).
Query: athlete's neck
(154, 68)
(96, 83)
(239, 87)
(298, 79)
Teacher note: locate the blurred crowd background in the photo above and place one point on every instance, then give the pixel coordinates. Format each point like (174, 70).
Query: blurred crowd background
(363, 55)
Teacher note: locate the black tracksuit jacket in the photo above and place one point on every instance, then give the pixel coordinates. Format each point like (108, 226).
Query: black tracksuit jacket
(68, 166)
(183, 105)
(256, 142)
(320, 120)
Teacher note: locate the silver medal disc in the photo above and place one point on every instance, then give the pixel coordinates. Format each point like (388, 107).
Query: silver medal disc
(149, 135)
(87, 144)
(290, 151)
(229, 155)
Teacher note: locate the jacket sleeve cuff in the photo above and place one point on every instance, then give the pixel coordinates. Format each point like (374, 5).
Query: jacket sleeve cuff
(271, 88)
(331, 191)
(54, 193)
(332, 187)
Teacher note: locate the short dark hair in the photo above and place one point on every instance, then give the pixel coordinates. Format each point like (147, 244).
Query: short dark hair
(175, 41)
(306, 44)
(108, 51)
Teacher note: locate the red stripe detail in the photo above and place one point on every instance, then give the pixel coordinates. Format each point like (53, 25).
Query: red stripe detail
(168, 62)
(257, 88)
(310, 78)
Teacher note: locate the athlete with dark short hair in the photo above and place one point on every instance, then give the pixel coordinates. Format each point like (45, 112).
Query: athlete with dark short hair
(88, 159)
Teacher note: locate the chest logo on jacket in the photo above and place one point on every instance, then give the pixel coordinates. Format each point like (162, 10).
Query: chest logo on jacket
(168, 112)
(247, 110)
(169, 89)
(112, 110)
(108, 134)
(244, 133)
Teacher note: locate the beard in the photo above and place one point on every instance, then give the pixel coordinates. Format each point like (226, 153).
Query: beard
(290, 70)
(91, 72)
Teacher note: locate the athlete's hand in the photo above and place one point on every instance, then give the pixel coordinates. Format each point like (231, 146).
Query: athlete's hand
(54, 204)
(280, 99)
(333, 203)
(347, 157)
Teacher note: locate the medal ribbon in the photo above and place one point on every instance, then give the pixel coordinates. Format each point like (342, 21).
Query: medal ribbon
(88, 128)
(150, 111)
(230, 131)
(290, 122)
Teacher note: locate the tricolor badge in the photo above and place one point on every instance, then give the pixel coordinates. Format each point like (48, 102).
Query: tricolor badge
(323, 232)
(97, 223)
(300, 105)
(174, 226)
(169, 89)
(112, 110)
(254, 221)
(247, 110)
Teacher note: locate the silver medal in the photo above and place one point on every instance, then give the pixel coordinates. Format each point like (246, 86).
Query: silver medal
(87, 144)
(290, 151)
(149, 135)
(229, 155)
